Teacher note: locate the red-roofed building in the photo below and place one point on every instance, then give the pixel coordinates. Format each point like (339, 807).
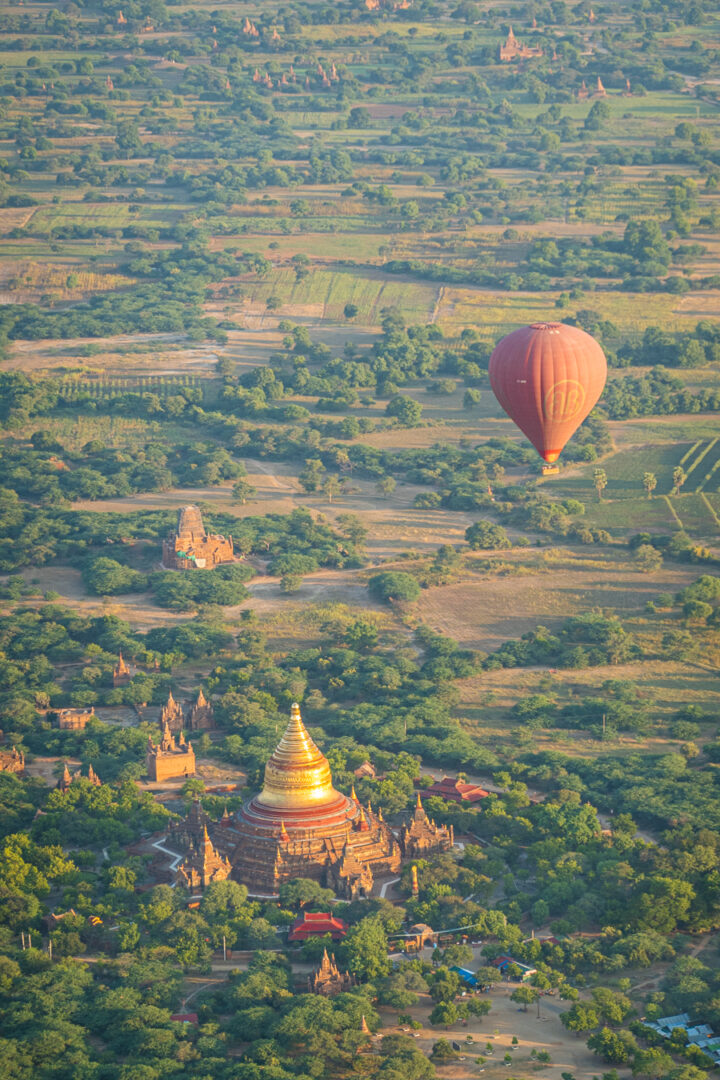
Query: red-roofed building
(185, 1018)
(311, 924)
(455, 791)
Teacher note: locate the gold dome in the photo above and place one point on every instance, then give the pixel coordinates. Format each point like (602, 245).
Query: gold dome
(297, 775)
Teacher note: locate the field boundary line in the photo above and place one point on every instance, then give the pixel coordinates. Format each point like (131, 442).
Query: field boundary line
(707, 477)
(691, 451)
(710, 507)
(673, 511)
(700, 457)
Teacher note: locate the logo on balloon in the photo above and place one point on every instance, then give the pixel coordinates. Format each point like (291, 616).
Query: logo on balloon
(564, 400)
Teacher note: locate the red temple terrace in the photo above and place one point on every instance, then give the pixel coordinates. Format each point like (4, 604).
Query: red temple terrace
(455, 791)
(318, 924)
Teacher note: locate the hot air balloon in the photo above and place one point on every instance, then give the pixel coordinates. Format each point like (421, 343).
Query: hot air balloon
(547, 377)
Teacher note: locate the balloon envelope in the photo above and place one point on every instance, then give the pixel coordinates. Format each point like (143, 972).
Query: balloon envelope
(547, 377)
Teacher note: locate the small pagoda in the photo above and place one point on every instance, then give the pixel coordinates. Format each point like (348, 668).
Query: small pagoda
(202, 865)
(121, 672)
(172, 716)
(328, 980)
(421, 836)
(202, 717)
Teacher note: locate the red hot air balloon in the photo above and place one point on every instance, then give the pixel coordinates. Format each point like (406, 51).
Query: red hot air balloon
(547, 377)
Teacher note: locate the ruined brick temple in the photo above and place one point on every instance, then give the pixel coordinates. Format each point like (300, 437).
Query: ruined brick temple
(300, 826)
(191, 548)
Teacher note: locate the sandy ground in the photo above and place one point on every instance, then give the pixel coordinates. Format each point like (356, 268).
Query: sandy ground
(481, 614)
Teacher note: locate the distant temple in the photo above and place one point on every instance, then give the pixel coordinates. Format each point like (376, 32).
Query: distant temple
(202, 865)
(328, 980)
(12, 760)
(121, 672)
(202, 717)
(69, 778)
(74, 719)
(190, 547)
(422, 836)
(172, 715)
(169, 758)
(599, 92)
(300, 826)
(514, 50)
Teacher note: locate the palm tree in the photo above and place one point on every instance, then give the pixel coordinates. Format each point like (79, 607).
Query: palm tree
(679, 478)
(600, 481)
(649, 483)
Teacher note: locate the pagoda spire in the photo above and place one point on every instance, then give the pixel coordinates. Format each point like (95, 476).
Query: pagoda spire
(297, 774)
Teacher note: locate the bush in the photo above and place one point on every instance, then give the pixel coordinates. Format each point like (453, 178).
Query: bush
(394, 585)
(107, 577)
(486, 536)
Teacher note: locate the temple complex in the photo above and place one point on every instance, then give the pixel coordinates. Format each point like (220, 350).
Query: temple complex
(422, 836)
(172, 716)
(12, 760)
(190, 547)
(514, 50)
(169, 759)
(300, 826)
(202, 865)
(329, 980)
(202, 717)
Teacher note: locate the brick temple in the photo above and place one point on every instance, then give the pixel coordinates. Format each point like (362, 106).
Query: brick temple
(300, 826)
(191, 547)
(170, 757)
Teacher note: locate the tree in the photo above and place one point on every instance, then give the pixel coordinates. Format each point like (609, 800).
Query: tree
(242, 491)
(406, 410)
(652, 1063)
(600, 482)
(365, 949)
(525, 995)
(648, 558)
(300, 892)
(311, 476)
(486, 536)
(471, 398)
(649, 483)
(386, 485)
(107, 577)
(394, 585)
(581, 1017)
(290, 583)
(445, 1013)
(679, 477)
(359, 117)
(331, 488)
(350, 311)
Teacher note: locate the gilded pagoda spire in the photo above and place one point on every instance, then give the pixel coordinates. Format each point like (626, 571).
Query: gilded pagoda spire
(297, 774)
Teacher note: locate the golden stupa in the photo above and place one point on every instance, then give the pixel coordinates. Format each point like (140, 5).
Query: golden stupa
(297, 775)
